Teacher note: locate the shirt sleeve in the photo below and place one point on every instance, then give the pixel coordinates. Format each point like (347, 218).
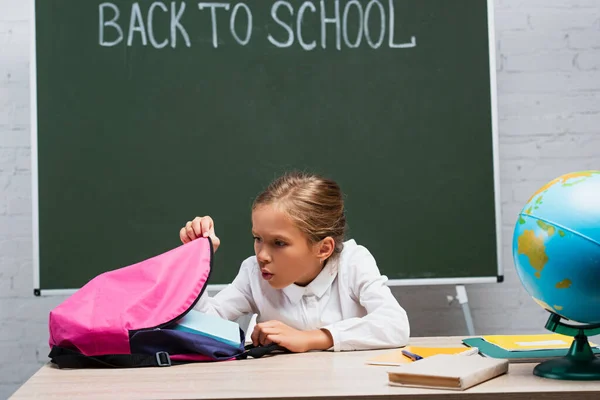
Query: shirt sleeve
(386, 323)
(234, 301)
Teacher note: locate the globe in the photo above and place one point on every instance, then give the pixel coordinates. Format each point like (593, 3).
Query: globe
(556, 252)
(556, 246)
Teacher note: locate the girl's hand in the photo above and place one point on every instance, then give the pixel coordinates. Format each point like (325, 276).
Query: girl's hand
(200, 227)
(292, 339)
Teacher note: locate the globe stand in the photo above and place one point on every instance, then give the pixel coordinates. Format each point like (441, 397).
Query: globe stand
(580, 363)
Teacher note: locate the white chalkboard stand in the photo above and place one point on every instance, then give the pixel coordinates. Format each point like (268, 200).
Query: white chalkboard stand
(463, 300)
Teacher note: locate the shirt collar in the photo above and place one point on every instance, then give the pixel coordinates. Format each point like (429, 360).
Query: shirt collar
(317, 287)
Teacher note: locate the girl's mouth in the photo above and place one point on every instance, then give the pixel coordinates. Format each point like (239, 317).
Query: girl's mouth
(267, 276)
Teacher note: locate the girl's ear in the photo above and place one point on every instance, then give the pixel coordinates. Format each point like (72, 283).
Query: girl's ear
(325, 248)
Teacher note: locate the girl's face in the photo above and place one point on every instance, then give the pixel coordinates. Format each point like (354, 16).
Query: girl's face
(283, 251)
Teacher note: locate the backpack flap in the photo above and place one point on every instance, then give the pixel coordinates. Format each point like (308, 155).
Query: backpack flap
(100, 318)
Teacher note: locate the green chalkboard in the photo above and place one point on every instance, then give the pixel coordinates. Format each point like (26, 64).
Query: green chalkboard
(148, 113)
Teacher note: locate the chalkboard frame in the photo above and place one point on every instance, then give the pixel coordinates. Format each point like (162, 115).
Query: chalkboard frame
(39, 291)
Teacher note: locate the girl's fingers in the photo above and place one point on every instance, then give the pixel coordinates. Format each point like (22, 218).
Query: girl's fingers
(197, 226)
(190, 230)
(183, 235)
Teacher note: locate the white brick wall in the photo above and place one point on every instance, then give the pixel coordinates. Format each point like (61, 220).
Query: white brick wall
(549, 109)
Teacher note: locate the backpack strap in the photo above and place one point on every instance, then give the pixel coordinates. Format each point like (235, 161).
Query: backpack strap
(67, 358)
(259, 351)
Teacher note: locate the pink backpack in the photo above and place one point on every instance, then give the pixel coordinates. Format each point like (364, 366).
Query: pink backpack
(122, 318)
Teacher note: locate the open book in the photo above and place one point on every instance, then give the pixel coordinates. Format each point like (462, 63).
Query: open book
(445, 371)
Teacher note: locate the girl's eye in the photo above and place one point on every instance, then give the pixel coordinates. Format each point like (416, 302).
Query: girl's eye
(279, 243)
(256, 239)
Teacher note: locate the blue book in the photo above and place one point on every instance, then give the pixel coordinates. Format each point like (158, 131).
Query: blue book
(212, 326)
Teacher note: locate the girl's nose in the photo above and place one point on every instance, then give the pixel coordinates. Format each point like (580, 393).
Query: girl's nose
(263, 256)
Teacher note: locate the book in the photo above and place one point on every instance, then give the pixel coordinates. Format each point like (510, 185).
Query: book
(447, 371)
(212, 326)
(531, 342)
(491, 350)
(397, 357)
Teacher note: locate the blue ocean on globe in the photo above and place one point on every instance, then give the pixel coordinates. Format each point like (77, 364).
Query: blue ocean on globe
(556, 246)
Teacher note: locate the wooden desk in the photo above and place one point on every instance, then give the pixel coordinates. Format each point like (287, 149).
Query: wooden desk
(317, 375)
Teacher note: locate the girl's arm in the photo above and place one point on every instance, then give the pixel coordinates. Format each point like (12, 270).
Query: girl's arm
(233, 301)
(386, 323)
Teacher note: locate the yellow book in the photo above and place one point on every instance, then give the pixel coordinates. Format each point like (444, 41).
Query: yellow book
(531, 342)
(396, 357)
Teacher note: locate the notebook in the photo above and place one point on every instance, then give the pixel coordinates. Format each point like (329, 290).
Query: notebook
(531, 342)
(531, 356)
(211, 326)
(397, 358)
(447, 371)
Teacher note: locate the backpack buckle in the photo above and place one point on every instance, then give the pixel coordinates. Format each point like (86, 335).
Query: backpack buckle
(163, 359)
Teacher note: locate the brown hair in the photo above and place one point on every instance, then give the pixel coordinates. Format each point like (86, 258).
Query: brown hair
(315, 204)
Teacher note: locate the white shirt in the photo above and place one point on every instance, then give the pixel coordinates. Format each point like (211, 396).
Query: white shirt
(349, 298)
